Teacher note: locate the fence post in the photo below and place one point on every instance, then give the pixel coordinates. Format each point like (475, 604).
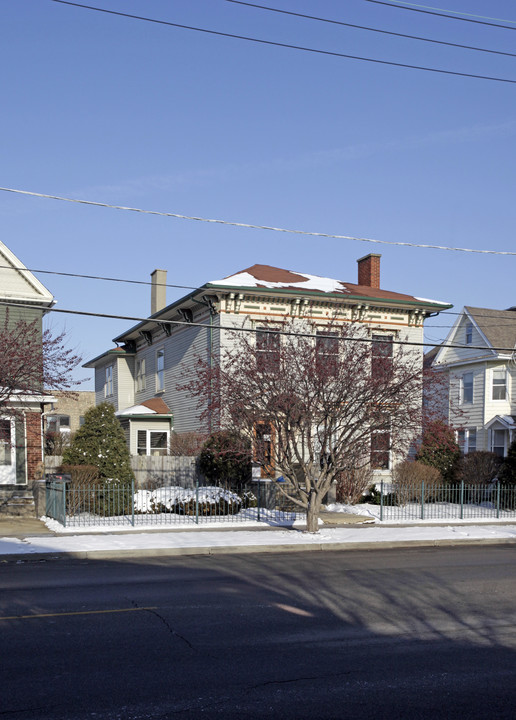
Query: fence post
(132, 501)
(196, 501)
(381, 500)
(461, 499)
(258, 500)
(64, 503)
(498, 499)
(422, 499)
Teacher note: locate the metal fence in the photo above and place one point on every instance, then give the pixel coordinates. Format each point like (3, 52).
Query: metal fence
(117, 505)
(446, 502)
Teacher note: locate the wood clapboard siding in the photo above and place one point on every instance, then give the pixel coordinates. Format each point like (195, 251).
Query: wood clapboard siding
(125, 382)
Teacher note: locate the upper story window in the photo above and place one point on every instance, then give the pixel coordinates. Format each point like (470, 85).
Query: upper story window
(469, 333)
(108, 381)
(140, 375)
(499, 384)
(267, 350)
(467, 388)
(327, 352)
(160, 370)
(381, 356)
(58, 423)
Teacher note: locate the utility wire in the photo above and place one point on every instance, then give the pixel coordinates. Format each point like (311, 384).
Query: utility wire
(229, 328)
(203, 287)
(289, 45)
(432, 12)
(370, 29)
(255, 227)
(454, 12)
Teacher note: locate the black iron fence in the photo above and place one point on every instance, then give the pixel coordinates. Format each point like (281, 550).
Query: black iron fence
(112, 503)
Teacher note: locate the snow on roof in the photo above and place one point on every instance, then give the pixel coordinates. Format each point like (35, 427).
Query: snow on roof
(136, 410)
(434, 302)
(277, 278)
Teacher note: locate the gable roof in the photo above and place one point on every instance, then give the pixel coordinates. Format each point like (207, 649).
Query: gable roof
(498, 326)
(18, 284)
(273, 278)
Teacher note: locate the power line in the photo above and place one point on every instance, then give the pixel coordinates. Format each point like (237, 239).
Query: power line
(230, 328)
(419, 9)
(370, 29)
(99, 277)
(289, 45)
(455, 12)
(202, 287)
(251, 226)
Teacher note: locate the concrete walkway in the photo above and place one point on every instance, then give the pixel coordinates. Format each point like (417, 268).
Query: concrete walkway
(29, 540)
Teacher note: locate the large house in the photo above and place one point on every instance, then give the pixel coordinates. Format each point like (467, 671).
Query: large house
(22, 298)
(140, 376)
(479, 357)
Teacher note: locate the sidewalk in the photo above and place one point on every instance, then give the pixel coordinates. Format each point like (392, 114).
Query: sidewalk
(23, 539)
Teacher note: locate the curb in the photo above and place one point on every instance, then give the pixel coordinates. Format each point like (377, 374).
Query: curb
(246, 549)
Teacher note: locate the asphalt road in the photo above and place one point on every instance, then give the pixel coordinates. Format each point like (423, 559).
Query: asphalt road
(422, 633)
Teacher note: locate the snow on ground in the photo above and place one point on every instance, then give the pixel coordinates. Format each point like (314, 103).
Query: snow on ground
(434, 512)
(243, 539)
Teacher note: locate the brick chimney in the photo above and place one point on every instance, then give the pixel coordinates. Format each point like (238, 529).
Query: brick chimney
(369, 270)
(158, 290)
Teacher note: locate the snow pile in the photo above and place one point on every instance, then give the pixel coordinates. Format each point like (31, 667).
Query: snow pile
(177, 499)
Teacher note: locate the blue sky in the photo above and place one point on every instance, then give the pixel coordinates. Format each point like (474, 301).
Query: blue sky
(121, 111)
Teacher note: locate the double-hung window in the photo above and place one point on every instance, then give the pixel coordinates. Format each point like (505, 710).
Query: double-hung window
(267, 350)
(327, 353)
(467, 440)
(160, 370)
(381, 444)
(381, 357)
(467, 388)
(140, 375)
(108, 381)
(499, 384)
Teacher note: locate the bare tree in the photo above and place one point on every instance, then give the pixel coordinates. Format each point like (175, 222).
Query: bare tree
(32, 361)
(315, 407)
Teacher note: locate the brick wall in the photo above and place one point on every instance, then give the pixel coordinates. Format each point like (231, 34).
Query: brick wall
(34, 454)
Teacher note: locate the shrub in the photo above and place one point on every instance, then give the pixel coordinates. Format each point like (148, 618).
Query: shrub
(56, 442)
(352, 484)
(507, 474)
(188, 444)
(374, 497)
(100, 441)
(226, 459)
(408, 479)
(478, 468)
(439, 449)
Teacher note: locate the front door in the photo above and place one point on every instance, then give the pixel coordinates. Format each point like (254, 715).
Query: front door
(7, 452)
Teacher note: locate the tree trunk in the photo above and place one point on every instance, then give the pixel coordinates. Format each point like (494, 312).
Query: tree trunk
(313, 509)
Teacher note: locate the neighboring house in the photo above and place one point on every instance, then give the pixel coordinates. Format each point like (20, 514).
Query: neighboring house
(65, 414)
(152, 358)
(481, 401)
(21, 433)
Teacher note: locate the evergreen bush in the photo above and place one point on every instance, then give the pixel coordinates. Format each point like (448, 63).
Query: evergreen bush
(100, 441)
